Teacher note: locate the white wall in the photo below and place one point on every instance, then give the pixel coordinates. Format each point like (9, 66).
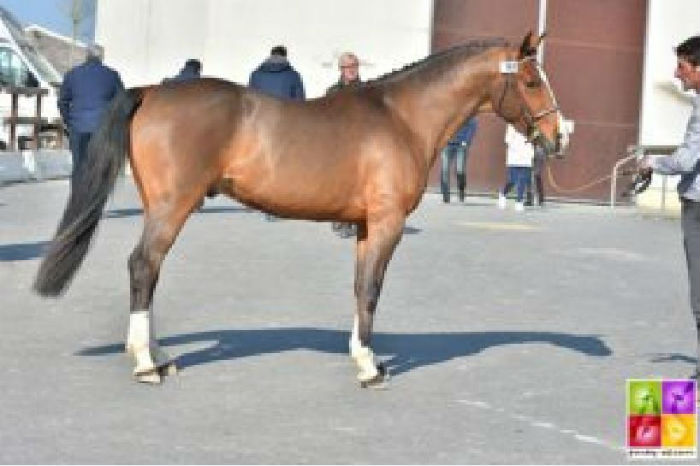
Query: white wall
(665, 111)
(147, 40)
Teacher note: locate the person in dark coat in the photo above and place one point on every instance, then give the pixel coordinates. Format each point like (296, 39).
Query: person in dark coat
(457, 150)
(276, 77)
(192, 70)
(85, 94)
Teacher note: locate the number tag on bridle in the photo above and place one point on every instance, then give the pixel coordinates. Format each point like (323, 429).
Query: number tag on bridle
(509, 67)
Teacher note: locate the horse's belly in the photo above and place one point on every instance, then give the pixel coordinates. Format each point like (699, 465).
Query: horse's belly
(295, 199)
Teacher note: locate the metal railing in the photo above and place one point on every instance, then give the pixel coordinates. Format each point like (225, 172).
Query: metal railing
(14, 120)
(636, 152)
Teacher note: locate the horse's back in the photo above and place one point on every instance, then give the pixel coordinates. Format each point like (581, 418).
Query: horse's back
(316, 159)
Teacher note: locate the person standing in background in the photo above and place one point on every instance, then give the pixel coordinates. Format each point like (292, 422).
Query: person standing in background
(85, 94)
(457, 150)
(191, 70)
(538, 165)
(276, 77)
(349, 68)
(519, 154)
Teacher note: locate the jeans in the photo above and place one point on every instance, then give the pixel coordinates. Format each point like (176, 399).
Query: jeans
(690, 224)
(457, 153)
(521, 178)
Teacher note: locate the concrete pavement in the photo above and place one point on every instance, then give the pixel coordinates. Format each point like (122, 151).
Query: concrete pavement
(509, 337)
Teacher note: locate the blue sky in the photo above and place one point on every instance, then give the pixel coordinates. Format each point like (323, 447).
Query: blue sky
(51, 14)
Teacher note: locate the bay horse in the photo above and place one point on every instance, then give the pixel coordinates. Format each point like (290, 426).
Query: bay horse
(361, 155)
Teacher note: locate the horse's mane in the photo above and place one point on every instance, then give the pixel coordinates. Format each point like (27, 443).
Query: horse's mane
(434, 61)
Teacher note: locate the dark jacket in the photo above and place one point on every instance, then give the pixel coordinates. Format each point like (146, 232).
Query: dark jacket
(276, 77)
(86, 92)
(340, 84)
(187, 73)
(465, 134)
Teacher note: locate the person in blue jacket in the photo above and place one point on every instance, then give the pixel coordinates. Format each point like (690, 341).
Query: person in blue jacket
(457, 150)
(276, 77)
(85, 94)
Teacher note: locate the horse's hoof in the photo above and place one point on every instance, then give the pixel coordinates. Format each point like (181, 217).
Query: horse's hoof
(152, 377)
(379, 381)
(169, 368)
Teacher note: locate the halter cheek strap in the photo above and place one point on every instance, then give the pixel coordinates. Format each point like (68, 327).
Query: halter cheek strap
(543, 78)
(511, 67)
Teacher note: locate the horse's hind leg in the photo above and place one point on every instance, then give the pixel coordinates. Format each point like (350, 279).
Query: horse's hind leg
(161, 226)
(376, 241)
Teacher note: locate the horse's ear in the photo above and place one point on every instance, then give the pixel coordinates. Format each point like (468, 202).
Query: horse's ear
(528, 47)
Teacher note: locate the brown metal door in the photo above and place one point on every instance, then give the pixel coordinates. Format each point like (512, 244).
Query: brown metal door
(593, 57)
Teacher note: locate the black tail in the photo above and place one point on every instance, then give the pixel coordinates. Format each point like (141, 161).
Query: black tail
(93, 181)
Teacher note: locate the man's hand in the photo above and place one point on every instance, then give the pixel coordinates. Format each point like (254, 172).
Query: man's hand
(646, 166)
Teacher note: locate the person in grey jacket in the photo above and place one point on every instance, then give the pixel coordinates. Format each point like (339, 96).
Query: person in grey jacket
(685, 161)
(349, 67)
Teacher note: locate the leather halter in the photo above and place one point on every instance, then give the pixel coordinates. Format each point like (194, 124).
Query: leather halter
(530, 119)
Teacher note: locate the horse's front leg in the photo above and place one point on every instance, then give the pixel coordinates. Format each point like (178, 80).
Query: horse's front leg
(376, 240)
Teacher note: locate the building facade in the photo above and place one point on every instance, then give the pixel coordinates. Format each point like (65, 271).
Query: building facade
(604, 58)
(148, 40)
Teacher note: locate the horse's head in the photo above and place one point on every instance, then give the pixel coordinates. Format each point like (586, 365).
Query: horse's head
(523, 97)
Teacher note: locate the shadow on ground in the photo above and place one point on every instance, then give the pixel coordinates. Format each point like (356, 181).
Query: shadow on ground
(673, 357)
(400, 352)
(22, 251)
(135, 212)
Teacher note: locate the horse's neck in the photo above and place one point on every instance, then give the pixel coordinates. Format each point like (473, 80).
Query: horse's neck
(434, 109)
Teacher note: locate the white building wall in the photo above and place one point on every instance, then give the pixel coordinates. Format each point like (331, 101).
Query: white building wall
(147, 40)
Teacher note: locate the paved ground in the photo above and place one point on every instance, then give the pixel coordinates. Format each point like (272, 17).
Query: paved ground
(509, 337)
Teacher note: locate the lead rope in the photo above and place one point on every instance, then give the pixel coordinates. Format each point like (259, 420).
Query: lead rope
(550, 176)
(577, 189)
(555, 108)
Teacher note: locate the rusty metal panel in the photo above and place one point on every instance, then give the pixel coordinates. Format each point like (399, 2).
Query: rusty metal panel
(457, 21)
(593, 57)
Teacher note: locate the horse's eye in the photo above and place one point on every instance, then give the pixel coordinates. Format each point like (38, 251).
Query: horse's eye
(532, 84)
